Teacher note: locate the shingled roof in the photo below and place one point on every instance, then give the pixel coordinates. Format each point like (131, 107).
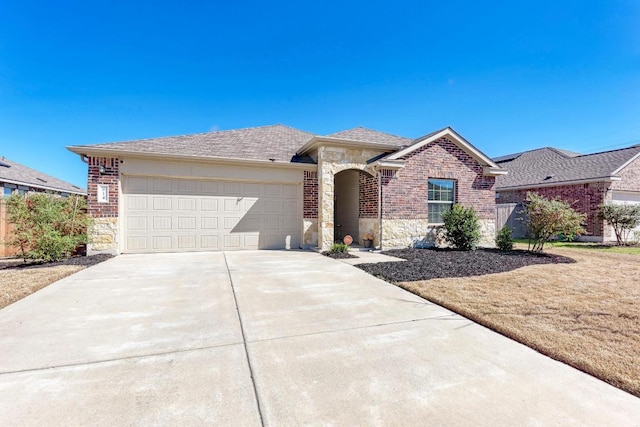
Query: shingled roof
(370, 135)
(15, 173)
(277, 143)
(548, 166)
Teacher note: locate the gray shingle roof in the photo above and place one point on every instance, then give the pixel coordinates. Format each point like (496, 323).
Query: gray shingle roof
(16, 173)
(258, 143)
(547, 165)
(370, 135)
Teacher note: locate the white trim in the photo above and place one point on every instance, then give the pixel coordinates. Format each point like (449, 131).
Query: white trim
(457, 139)
(560, 183)
(491, 171)
(388, 164)
(123, 154)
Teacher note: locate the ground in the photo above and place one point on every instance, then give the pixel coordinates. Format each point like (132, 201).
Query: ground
(585, 313)
(19, 279)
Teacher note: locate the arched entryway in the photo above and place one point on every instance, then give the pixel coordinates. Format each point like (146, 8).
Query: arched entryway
(355, 204)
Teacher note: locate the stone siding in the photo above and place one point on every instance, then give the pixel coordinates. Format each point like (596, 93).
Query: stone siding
(310, 233)
(584, 198)
(103, 236)
(369, 225)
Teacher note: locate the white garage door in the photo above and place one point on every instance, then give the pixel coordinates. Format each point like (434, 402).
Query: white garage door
(631, 198)
(181, 215)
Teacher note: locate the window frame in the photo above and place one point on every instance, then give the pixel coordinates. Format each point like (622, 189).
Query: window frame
(438, 201)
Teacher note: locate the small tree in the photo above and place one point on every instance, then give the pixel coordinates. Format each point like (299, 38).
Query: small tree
(547, 218)
(623, 218)
(47, 227)
(462, 227)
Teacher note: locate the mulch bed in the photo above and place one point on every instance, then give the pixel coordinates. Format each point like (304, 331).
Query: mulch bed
(88, 261)
(425, 264)
(338, 255)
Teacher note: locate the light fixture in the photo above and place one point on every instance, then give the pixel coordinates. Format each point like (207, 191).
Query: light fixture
(101, 169)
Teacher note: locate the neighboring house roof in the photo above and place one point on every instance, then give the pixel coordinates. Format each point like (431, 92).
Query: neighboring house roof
(370, 135)
(550, 166)
(275, 142)
(15, 173)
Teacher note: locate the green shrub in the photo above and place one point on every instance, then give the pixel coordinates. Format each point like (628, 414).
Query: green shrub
(623, 218)
(462, 227)
(46, 227)
(548, 218)
(339, 247)
(504, 240)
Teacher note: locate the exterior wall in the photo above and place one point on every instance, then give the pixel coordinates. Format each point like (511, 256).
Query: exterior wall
(404, 194)
(369, 225)
(368, 196)
(310, 210)
(309, 233)
(103, 233)
(630, 177)
(584, 198)
(332, 160)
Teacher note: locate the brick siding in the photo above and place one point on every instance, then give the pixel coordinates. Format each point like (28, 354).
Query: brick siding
(109, 177)
(368, 196)
(630, 177)
(584, 198)
(310, 189)
(404, 192)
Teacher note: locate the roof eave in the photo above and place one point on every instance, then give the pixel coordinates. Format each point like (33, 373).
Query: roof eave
(388, 164)
(448, 131)
(627, 163)
(88, 151)
(325, 140)
(560, 183)
(491, 171)
(79, 192)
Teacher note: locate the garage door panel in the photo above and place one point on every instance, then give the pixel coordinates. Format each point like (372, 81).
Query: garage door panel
(173, 215)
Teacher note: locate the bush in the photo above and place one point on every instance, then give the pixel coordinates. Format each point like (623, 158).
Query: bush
(548, 218)
(462, 227)
(623, 219)
(504, 240)
(46, 227)
(339, 247)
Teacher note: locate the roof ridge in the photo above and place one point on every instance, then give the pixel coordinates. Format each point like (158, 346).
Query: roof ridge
(609, 151)
(372, 130)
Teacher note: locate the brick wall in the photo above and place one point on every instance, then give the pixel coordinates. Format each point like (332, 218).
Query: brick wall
(404, 192)
(584, 198)
(368, 196)
(310, 189)
(630, 177)
(108, 177)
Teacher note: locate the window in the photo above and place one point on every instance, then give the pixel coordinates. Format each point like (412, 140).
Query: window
(442, 194)
(7, 191)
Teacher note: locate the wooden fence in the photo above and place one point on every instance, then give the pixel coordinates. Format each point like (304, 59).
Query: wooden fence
(5, 231)
(512, 214)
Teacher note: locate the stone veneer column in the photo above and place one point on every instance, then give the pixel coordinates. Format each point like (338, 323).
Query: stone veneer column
(103, 233)
(325, 201)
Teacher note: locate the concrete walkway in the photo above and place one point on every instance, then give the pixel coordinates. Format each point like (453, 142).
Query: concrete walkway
(271, 338)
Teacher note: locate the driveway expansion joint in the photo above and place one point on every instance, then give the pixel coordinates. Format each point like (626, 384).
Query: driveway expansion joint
(244, 342)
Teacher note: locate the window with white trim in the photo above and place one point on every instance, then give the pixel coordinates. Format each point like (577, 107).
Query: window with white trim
(441, 196)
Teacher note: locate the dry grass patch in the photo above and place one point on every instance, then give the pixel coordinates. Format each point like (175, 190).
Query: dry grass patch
(585, 314)
(18, 280)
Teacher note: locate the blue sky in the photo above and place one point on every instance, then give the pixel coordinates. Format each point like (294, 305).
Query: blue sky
(508, 76)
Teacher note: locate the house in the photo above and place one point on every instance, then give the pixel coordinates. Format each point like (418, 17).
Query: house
(585, 181)
(279, 187)
(16, 178)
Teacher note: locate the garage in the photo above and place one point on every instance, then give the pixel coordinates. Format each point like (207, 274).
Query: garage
(628, 197)
(182, 215)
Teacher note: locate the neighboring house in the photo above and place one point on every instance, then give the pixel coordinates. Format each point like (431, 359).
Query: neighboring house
(278, 187)
(19, 179)
(585, 181)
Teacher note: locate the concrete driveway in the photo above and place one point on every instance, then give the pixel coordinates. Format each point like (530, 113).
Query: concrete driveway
(271, 338)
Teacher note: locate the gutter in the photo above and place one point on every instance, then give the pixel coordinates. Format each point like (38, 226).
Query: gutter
(560, 183)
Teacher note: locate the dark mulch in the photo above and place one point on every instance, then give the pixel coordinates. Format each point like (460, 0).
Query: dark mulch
(338, 255)
(425, 264)
(88, 261)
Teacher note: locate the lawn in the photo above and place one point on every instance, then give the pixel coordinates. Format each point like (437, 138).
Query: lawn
(585, 313)
(18, 280)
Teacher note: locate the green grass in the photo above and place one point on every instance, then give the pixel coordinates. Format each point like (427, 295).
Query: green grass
(632, 250)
